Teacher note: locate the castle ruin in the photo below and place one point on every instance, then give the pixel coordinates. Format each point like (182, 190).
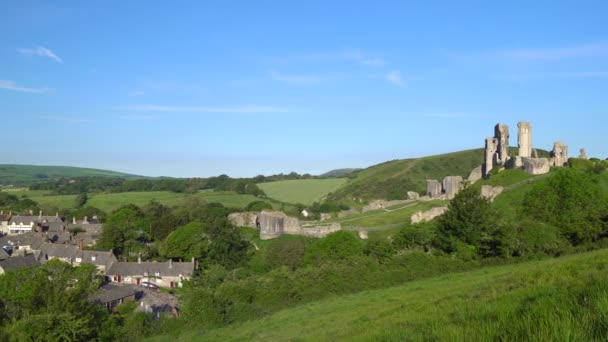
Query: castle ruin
(497, 152)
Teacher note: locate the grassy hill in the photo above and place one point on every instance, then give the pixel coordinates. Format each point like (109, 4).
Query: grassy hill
(552, 299)
(305, 191)
(24, 175)
(392, 180)
(339, 172)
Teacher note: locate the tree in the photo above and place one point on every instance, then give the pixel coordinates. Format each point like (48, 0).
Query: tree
(186, 242)
(226, 247)
(81, 200)
(125, 227)
(469, 219)
(286, 252)
(335, 246)
(570, 200)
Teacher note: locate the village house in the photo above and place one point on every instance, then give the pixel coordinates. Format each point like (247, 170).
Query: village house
(20, 224)
(75, 256)
(111, 296)
(18, 262)
(163, 274)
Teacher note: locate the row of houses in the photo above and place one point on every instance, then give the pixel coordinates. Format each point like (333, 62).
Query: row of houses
(167, 274)
(86, 230)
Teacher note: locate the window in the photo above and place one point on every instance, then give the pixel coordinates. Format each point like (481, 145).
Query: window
(78, 259)
(157, 274)
(93, 258)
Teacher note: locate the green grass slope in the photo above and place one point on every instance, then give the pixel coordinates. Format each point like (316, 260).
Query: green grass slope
(392, 180)
(563, 299)
(305, 191)
(23, 175)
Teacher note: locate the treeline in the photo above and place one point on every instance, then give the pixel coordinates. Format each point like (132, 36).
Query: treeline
(11, 202)
(78, 185)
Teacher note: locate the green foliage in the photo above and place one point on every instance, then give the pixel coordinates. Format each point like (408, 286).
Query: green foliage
(226, 247)
(258, 206)
(81, 200)
(12, 202)
(339, 245)
(51, 302)
(379, 248)
(286, 252)
(186, 242)
(124, 227)
(418, 236)
(470, 225)
(571, 201)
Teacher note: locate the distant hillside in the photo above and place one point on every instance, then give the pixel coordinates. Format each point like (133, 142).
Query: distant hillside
(24, 175)
(305, 191)
(392, 180)
(338, 173)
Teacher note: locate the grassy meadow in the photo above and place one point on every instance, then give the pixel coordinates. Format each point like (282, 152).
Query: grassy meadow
(563, 299)
(109, 202)
(305, 191)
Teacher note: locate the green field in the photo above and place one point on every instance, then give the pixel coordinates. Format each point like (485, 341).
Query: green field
(305, 191)
(562, 299)
(23, 175)
(109, 202)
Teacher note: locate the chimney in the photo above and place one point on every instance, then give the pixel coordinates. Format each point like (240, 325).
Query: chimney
(170, 263)
(74, 220)
(31, 212)
(86, 220)
(194, 262)
(139, 258)
(40, 215)
(56, 214)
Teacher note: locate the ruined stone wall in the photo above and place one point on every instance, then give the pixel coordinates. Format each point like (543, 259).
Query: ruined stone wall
(248, 219)
(451, 186)
(433, 188)
(501, 133)
(424, 216)
(490, 193)
(320, 231)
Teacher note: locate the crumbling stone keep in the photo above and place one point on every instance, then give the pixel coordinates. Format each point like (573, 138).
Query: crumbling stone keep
(490, 157)
(451, 186)
(524, 139)
(501, 133)
(433, 188)
(559, 154)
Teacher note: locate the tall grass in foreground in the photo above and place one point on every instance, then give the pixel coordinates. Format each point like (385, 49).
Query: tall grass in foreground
(564, 299)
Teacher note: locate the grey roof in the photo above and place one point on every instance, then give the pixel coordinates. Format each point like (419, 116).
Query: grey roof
(34, 218)
(138, 269)
(18, 262)
(63, 251)
(3, 254)
(108, 293)
(32, 239)
(55, 227)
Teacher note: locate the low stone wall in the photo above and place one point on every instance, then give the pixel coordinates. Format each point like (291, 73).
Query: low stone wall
(247, 219)
(320, 231)
(424, 216)
(490, 193)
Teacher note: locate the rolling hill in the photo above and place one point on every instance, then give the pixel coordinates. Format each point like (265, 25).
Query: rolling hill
(24, 175)
(305, 191)
(392, 180)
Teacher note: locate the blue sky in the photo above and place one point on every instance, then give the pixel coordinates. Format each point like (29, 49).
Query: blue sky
(203, 88)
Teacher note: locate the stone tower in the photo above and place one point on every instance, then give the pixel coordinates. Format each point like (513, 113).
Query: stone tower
(501, 133)
(490, 155)
(524, 139)
(559, 154)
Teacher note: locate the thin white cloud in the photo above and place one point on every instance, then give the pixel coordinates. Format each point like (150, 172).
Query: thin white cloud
(395, 78)
(42, 52)
(66, 119)
(237, 109)
(10, 85)
(557, 53)
(295, 79)
(356, 56)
